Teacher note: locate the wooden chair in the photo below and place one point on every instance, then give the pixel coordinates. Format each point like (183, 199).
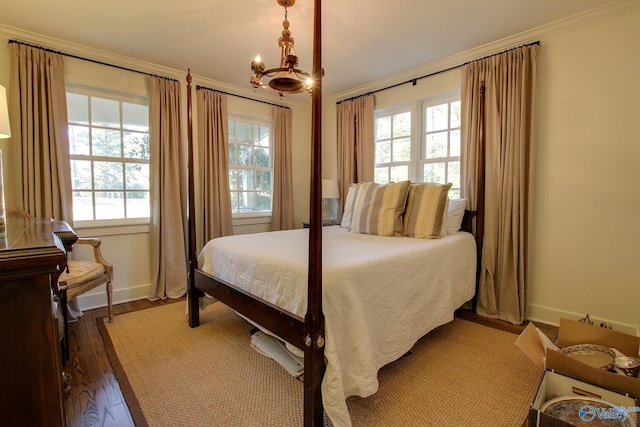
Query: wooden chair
(82, 276)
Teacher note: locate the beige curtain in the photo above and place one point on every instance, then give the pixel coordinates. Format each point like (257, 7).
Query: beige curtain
(282, 204)
(355, 122)
(39, 124)
(509, 81)
(168, 187)
(213, 149)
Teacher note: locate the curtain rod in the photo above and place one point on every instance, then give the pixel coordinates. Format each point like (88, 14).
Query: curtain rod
(414, 81)
(198, 87)
(92, 60)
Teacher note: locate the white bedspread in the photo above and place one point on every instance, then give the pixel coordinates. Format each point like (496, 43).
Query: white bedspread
(380, 294)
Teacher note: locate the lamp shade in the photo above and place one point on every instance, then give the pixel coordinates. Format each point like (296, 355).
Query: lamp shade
(330, 189)
(5, 129)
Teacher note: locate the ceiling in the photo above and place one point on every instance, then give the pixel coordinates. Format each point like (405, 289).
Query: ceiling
(363, 40)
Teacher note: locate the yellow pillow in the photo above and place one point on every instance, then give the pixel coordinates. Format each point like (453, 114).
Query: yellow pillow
(378, 208)
(424, 215)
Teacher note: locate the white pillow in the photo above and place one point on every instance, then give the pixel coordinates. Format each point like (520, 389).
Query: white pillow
(445, 217)
(350, 200)
(455, 214)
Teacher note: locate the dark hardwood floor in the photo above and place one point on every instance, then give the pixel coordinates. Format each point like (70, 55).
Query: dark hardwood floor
(96, 399)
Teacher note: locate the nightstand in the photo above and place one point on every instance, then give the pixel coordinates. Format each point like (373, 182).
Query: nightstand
(324, 224)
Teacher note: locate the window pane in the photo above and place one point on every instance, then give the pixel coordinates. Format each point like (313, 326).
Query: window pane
(135, 117)
(232, 131)
(383, 128)
(233, 154)
(105, 112)
(402, 124)
(235, 179)
(264, 202)
(138, 205)
(453, 174)
(81, 175)
(263, 181)
(399, 173)
(402, 150)
(108, 176)
(436, 145)
(437, 117)
(454, 143)
(434, 172)
(247, 202)
(383, 151)
(78, 108)
(455, 114)
(109, 205)
(245, 157)
(136, 145)
(106, 143)
(82, 205)
(248, 181)
(79, 140)
(235, 200)
(454, 194)
(137, 176)
(381, 175)
(243, 133)
(261, 135)
(262, 157)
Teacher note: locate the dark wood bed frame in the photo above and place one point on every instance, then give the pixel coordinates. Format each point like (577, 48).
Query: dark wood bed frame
(307, 334)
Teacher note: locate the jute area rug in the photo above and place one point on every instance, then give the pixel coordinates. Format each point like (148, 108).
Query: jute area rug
(461, 374)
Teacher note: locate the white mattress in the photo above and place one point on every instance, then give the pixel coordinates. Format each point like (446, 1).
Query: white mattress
(380, 294)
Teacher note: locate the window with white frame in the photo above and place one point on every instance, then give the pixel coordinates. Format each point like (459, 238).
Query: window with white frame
(440, 143)
(109, 152)
(392, 145)
(250, 166)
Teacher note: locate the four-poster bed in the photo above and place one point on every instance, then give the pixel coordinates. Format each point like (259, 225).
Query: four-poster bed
(304, 328)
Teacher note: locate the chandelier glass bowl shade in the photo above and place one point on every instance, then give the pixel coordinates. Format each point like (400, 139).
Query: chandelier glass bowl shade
(287, 78)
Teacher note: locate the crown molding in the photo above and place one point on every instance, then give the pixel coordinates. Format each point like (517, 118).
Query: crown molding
(541, 33)
(92, 54)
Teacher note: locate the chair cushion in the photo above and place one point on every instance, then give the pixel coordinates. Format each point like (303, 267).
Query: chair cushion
(80, 272)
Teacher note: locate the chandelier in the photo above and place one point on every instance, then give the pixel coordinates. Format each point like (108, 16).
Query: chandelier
(287, 78)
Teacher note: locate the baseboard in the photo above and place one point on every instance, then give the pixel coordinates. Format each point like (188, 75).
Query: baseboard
(92, 300)
(551, 316)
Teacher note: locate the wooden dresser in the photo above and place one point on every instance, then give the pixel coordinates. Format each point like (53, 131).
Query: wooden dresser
(31, 258)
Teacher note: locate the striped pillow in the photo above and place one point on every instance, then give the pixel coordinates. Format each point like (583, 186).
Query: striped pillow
(347, 214)
(424, 215)
(378, 208)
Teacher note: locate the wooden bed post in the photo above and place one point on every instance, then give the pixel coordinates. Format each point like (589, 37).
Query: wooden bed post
(193, 294)
(314, 365)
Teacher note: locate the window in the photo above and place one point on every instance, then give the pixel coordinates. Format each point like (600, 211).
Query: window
(109, 151)
(440, 145)
(419, 143)
(250, 166)
(392, 145)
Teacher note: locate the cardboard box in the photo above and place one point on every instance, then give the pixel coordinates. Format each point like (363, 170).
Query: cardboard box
(554, 385)
(545, 354)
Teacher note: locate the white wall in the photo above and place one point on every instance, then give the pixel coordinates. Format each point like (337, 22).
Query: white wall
(587, 211)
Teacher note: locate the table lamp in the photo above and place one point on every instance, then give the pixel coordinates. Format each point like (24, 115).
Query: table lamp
(5, 132)
(330, 193)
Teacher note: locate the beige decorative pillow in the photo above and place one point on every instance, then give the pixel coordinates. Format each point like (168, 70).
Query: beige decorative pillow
(423, 217)
(350, 200)
(378, 208)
